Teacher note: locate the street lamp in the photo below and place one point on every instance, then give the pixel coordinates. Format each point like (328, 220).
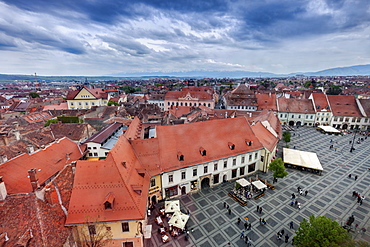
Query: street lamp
(353, 141)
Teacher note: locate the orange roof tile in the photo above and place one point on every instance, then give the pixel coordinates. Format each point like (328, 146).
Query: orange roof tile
(295, 105)
(266, 101)
(117, 174)
(47, 162)
(321, 102)
(344, 105)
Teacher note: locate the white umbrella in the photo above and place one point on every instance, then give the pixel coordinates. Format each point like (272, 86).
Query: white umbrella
(172, 206)
(179, 220)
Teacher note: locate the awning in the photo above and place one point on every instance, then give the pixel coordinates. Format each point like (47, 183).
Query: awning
(179, 220)
(243, 182)
(172, 206)
(302, 158)
(259, 185)
(328, 129)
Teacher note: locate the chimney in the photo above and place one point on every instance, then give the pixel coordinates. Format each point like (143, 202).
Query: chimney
(30, 149)
(48, 197)
(3, 191)
(17, 135)
(33, 179)
(3, 158)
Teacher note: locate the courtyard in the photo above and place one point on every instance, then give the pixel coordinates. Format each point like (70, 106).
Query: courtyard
(330, 195)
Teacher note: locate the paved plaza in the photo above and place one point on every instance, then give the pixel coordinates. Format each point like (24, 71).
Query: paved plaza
(329, 195)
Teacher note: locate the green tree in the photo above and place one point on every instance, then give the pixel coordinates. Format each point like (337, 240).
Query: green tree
(127, 89)
(334, 90)
(286, 137)
(278, 168)
(322, 231)
(34, 95)
(51, 121)
(111, 102)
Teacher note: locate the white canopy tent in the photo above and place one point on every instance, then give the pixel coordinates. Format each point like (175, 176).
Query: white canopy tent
(302, 159)
(179, 220)
(243, 182)
(328, 129)
(259, 185)
(172, 206)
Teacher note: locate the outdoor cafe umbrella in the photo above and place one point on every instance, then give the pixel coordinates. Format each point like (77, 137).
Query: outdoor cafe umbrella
(172, 206)
(179, 220)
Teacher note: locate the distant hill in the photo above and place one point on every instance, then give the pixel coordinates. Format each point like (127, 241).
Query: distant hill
(340, 71)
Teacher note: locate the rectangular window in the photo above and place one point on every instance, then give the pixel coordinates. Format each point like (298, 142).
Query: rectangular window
(152, 182)
(183, 175)
(125, 227)
(216, 179)
(347, 119)
(252, 167)
(281, 115)
(299, 116)
(292, 116)
(262, 158)
(341, 119)
(96, 154)
(92, 230)
(311, 117)
(242, 171)
(128, 244)
(243, 160)
(215, 167)
(234, 162)
(225, 164)
(250, 157)
(195, 171)
(255, 156)
(170, 178)
(358, 120)
(205, 169)
(233, 173)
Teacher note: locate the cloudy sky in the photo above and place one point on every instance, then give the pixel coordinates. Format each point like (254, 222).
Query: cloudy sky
(100, 37)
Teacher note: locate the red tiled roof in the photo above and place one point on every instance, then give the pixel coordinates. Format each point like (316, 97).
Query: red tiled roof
(344, 105)
(179, 111)
(47, 162)
(295, 105)
(117, 174)
(268, 140)
(175, 95)
(37, 117)
(188, 138)
(23, 213)
(365, 103)
(266, 101)
(320, 102)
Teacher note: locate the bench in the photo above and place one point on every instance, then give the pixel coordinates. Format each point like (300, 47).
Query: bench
(237, 199)
(259, 195)
(268, 184)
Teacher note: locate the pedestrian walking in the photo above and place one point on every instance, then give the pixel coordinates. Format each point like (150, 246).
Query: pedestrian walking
(278, 236)
(298, 188)
(292, 203)
(296, 202)
(260, 210)
(229, 211)
(239, 221)
(282, 232)
(227, 206)
(354, 194)
(286, 238)
(306, 192)
(299, 206)
(358, 199)
(249, 242)
(224, 204)
(291, 225)
(349, 175)
(355, 177)
(242, 234)
(249, 226)
(360, 202)
(245, 225)
(293, 196)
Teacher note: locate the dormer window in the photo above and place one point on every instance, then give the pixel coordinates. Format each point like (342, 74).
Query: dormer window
(231, 146)
(202, 151)
(249, 143)
(124, 164)
(180, 156)
(108, 201)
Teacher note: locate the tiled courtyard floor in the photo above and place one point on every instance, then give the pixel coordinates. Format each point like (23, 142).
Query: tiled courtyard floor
(329, 195)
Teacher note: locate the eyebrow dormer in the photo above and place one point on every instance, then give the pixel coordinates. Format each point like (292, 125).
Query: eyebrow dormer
(202, 151)
(180, 156)
(231, 145)
(249, 143)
